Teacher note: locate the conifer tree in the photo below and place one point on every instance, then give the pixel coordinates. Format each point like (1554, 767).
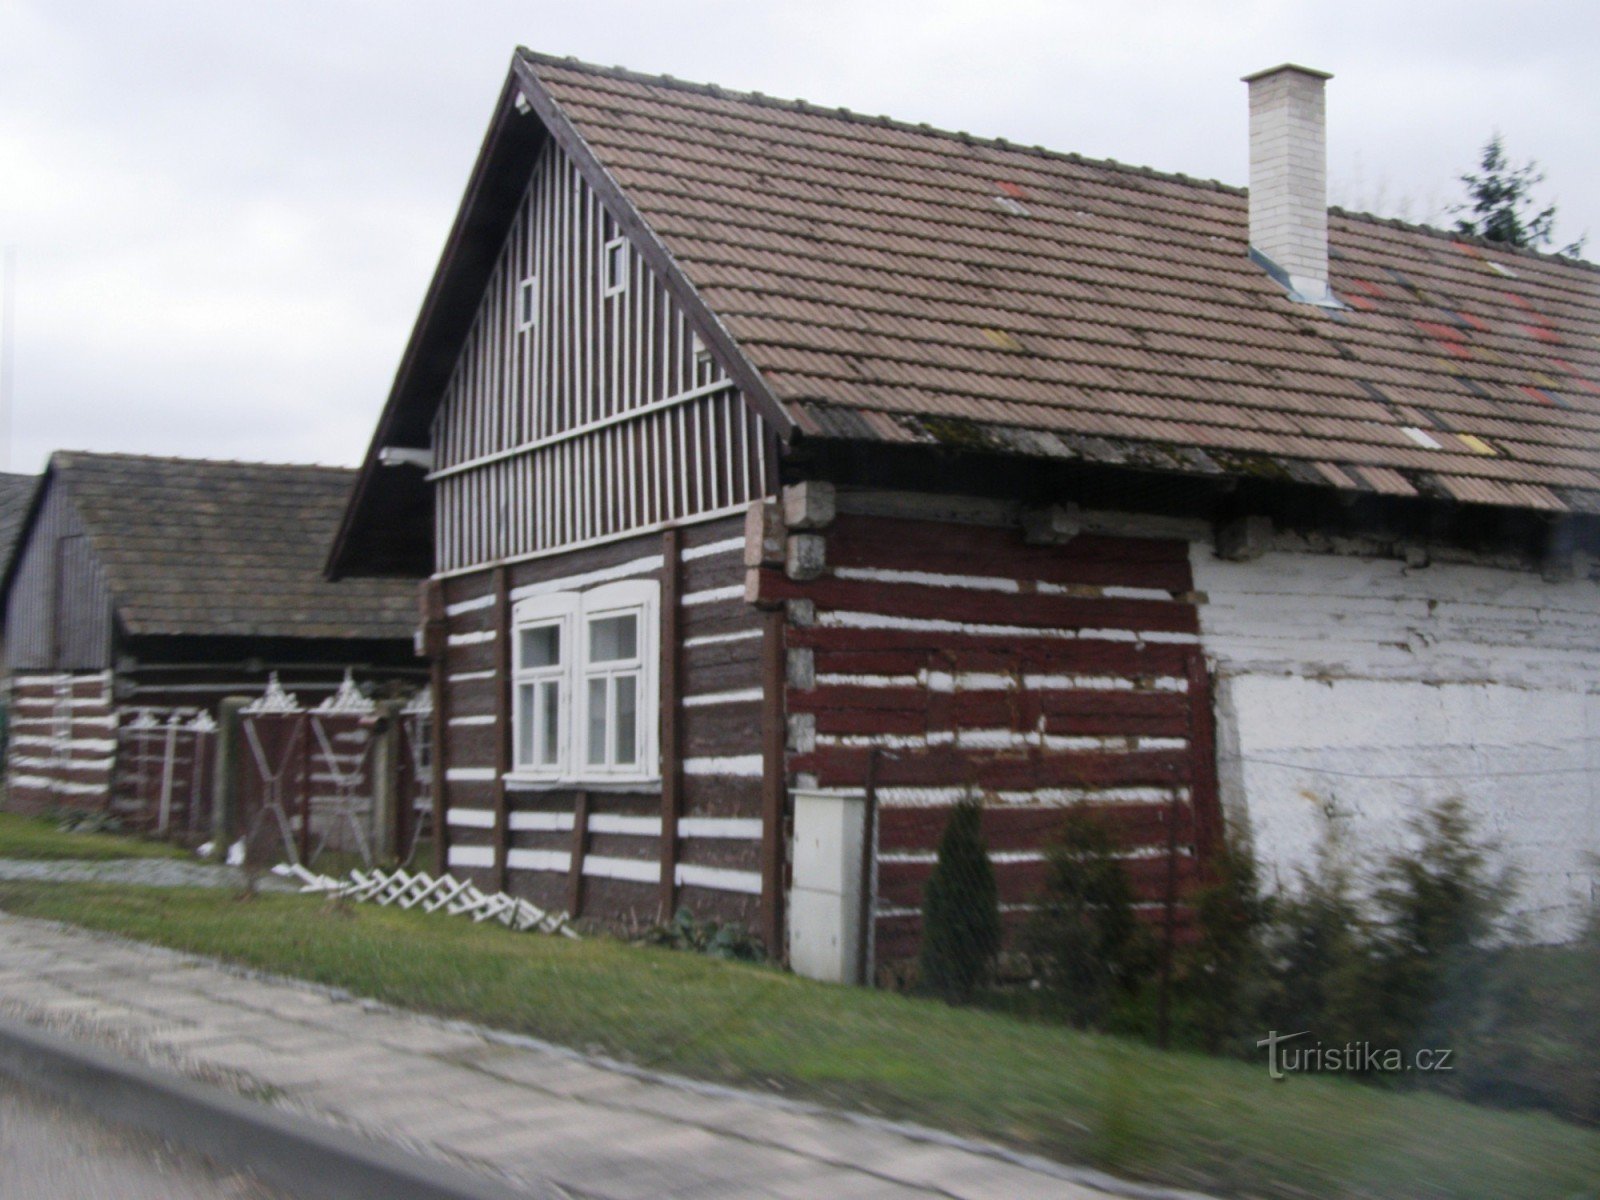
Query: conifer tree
(960, 910)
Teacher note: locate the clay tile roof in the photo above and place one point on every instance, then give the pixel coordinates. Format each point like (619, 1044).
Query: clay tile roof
(896, 282)
(194, 547)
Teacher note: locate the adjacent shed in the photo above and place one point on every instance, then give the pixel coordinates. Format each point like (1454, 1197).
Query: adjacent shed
(143, 588)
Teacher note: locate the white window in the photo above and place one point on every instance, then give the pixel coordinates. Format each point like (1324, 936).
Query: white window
(584, 696)
(616, 266)
(706, 370)
(527, 303)
(541, 686)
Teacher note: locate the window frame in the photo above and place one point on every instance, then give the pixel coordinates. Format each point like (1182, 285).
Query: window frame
(619, 250)
(561, 611)
(575, 612)
(528, 303)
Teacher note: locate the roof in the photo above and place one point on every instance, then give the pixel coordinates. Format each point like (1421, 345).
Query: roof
(15, 493)
(194, 547)
(884, 282)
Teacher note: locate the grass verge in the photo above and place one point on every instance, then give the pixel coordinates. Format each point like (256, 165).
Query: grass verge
(41, 838)
(1116, 1104)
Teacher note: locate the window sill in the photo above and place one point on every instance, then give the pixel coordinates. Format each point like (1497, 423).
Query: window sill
(544, 783)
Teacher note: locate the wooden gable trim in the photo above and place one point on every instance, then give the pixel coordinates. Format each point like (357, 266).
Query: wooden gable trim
(654, 251)
(510, 147)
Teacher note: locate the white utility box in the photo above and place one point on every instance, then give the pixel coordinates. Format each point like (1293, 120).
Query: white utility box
(825, 902)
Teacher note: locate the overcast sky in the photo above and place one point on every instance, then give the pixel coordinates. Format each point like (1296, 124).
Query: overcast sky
(225, 215)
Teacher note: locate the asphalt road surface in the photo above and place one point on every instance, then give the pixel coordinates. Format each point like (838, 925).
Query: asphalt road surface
(52, 1152)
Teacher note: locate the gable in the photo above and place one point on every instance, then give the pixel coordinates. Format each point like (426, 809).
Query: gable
(58, 600)
(582, 404)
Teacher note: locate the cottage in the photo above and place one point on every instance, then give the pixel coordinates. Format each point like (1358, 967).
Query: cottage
(758, 450)
(143, 589)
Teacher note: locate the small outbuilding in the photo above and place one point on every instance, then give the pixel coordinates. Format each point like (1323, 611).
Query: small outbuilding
(146, 589)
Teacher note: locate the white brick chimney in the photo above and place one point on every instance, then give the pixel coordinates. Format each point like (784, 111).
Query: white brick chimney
(1289, 179)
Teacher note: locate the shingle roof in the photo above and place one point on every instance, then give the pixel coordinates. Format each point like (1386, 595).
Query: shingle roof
(15, 493)
(203, 548)
(897, 283)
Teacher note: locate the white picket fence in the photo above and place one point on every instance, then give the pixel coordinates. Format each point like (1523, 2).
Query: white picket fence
(429, 893)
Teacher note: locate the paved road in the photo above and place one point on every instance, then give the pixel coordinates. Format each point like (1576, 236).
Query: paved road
(512, 1108)
(49, 1152)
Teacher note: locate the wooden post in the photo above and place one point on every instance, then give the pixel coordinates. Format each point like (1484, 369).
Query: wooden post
(301, 725)
(580, 847)
(1204, 803)
(225, 778)
(502, 726)
(388, 831)
(671, 717)
(435, 644)
(773, 790)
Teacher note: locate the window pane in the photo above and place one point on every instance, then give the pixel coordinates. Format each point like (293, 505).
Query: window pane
(613, 638)
(524, 738)
(597, 722)
(541, 646)
(627, 689)
(549, 722)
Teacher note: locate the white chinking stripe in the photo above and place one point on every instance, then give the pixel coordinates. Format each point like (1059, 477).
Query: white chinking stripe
(713, 595)
(91, 745)
(711, 549)
(635, 870)
(60, 702)
(722, 879)
(739, 828)
(572, 583)
(997, 583)
(540, 822)
(734, 697)
(539, 860)
(716, 639)
(471, 856)
(475, 638)
(466, 606)
(990, 681)
(476, 720)
(66, 760)
(470, 774)
(1003, 739)
(105, 721)
(1053, 797)
(744, 765)
(862, 620)
(622, 824)
(1013, 856)
(470, 818)
(470, 676)
(44, 783)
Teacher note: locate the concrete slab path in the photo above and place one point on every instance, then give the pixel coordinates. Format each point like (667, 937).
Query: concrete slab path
(509, 1107)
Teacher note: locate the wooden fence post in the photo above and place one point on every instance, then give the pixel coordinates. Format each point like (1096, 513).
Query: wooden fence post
(225, 778)
(387, 831)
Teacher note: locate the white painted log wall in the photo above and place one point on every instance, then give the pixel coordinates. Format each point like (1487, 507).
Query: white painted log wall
(1354, 692)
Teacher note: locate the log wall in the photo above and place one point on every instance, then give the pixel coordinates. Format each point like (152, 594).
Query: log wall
(600, 851)
(935, 660)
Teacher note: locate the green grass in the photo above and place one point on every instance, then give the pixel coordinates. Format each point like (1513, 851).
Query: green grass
(38, 837)
(1113, 1103)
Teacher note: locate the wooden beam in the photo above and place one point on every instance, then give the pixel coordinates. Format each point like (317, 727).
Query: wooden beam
(671, 716)
(580, 847)
(774, 793)
(435, 645)
(502, 724)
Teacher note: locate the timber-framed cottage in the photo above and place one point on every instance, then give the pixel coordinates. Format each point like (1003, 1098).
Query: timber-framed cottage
(754, 449)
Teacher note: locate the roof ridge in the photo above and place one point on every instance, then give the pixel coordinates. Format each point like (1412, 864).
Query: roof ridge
(881, 121)
(130, 456)
(999, 143)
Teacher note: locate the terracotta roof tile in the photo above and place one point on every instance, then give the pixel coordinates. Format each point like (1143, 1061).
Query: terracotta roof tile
(884, 278)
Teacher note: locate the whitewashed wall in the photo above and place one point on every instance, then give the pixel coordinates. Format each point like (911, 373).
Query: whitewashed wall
(1355, 692)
